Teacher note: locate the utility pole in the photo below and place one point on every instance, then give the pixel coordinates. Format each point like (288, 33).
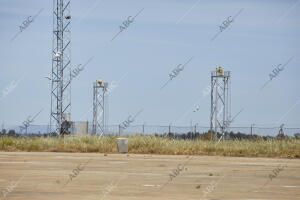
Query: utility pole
(143, 128)
(195, 131)
(252, 128)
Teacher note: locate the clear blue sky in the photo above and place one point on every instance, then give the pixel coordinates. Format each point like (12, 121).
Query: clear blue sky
(166, 33)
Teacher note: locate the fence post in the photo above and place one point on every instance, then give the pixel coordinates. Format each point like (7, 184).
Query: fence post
(119, 129)
(143, 128)
(251, 128)
(169, 129)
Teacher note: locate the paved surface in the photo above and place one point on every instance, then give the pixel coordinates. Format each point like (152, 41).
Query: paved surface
(88, 176)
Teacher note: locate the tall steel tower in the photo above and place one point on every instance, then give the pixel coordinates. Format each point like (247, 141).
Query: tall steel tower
(61, 66)
(220, 102)
(99, 107)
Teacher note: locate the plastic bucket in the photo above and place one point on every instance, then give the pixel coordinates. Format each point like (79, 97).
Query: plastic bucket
(122, 144)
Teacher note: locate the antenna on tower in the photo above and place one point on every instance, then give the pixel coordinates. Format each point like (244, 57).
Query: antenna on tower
(61, 66)
(220, 103)
(99, 106)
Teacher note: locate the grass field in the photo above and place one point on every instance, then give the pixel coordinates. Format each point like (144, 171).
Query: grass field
(141, 144)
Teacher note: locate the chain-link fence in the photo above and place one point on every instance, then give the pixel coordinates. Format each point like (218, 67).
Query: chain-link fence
(155, 129)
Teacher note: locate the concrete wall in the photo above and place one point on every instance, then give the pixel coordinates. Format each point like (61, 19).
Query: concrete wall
(82, 128)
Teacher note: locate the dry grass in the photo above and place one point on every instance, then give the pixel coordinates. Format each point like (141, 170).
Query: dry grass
(155, 145)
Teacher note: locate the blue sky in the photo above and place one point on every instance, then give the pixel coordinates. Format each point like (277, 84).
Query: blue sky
(165, 34)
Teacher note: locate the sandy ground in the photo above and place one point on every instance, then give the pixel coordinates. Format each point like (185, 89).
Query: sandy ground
(88, 176)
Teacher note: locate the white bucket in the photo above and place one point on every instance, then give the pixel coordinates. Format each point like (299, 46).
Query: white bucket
(122, 144)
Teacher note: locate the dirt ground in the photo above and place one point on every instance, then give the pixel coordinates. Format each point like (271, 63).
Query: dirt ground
(89, 176)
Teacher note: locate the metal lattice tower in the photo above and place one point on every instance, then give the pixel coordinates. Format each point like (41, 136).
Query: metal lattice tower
(99, 107)
(61, 66)
(220, 102)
